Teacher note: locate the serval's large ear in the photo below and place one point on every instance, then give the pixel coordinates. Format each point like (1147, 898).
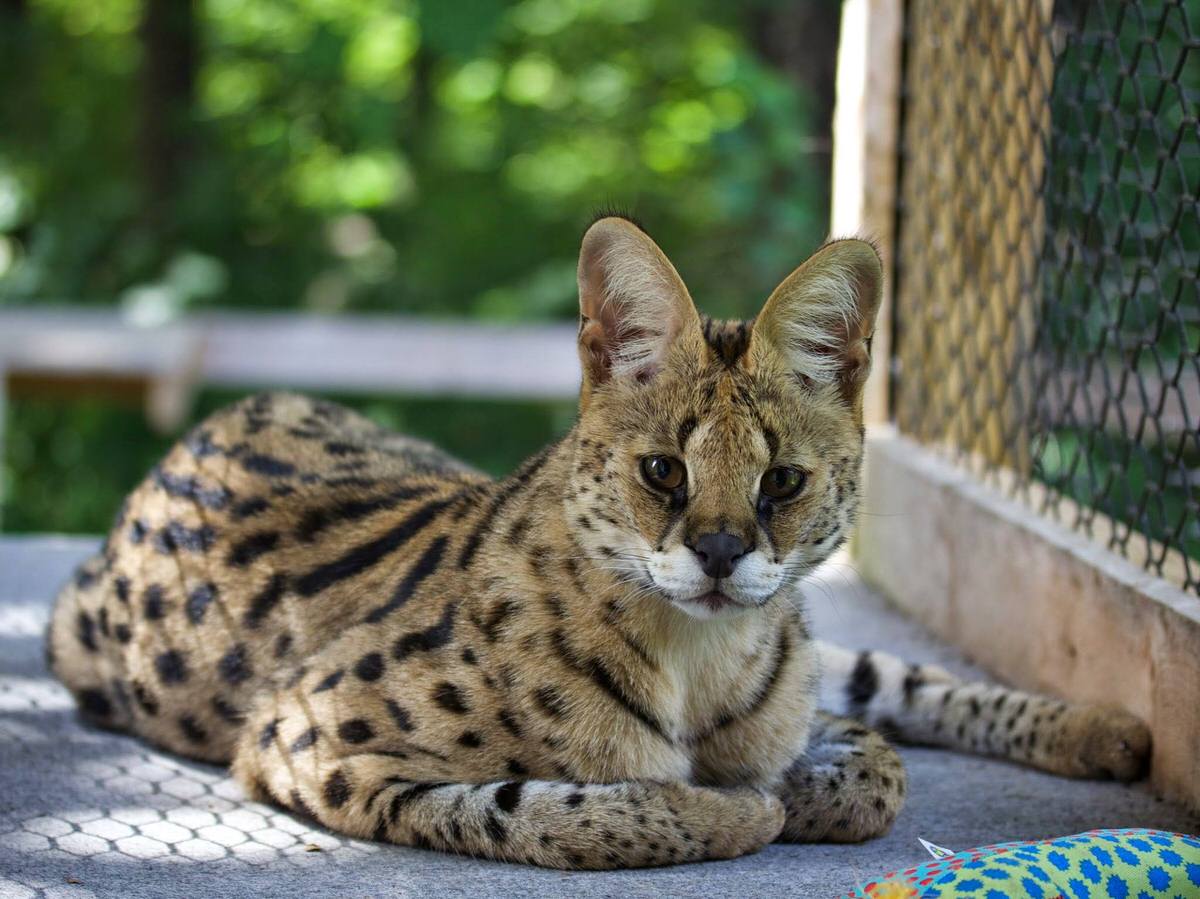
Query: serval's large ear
(820, 319)
(632, 304)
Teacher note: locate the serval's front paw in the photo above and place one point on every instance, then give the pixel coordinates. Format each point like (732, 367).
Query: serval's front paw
(739, 820)
(1103, 742)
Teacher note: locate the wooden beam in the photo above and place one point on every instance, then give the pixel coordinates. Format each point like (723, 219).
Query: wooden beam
(866, 128)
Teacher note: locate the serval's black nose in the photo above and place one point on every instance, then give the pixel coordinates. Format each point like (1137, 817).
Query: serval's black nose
(718, 553)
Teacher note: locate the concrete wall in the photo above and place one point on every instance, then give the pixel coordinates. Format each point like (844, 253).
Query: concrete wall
(1033, 602)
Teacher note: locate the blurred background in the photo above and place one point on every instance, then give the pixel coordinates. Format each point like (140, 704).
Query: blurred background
(171, 162)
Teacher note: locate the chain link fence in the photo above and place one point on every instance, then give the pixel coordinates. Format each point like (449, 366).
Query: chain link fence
(1048, 256)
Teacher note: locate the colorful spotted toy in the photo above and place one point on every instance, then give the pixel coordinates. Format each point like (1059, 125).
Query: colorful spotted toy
(1104, 864)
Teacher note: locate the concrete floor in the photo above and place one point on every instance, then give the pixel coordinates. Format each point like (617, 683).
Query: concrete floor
(88, 813)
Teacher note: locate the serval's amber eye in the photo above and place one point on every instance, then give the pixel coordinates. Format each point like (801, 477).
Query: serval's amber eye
(663, 472)
(782, 482)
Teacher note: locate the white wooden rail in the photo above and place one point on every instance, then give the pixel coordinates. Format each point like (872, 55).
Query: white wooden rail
(361, 354)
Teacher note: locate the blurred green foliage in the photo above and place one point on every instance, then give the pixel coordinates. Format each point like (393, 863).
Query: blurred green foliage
(431, 157)
(1121, 273)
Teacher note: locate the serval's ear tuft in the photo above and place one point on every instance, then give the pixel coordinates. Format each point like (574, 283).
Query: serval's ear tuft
(820, 319)
(632, 303)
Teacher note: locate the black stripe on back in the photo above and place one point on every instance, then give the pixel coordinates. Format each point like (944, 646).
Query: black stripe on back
(507, 491)
(422, 568)
(367, 555)
(265, 600)
(245, 551)
(316, 519)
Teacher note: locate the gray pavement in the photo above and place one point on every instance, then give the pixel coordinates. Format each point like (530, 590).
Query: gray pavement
(88, 813)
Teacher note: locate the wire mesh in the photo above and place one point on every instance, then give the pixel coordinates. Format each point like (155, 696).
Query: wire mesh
(1048, 256)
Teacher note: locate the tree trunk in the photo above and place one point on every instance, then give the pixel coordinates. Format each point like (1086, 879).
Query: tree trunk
(801, 38)
(168, 74)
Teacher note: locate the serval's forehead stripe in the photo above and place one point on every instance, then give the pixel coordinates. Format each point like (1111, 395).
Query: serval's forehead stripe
(728, 340)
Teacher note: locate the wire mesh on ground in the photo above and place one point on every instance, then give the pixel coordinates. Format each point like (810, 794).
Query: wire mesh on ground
(124, 801)
(1048, 256)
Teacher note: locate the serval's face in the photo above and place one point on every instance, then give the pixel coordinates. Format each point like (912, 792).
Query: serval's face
(718, 461)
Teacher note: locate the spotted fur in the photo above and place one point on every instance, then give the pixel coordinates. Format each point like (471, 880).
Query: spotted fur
(538, 669)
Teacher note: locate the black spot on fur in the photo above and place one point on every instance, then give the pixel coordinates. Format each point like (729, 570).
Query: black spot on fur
(121, 588)
(493, 623)
(449, 697)
(200, 444)
(245, 551)
(468, 656)
(267, 735)
(305, 740)
(330, 681)
(369, 667)
(356, 730)
(260, 463)
(250, 507)
(192, 730)
(864, 681)
(227, 712)
(137, 531)
(299, 806)
(234, 666)
(122, 633)
(176, 536)
(509, 723)
(190, 487)
(433, 637)
(145, 699)
(336, 790)
(153, 605)
(283, 645)
(85, 630)
(171, 667)
(574, 800)
(508, 796)
(551, 701)
(94, 703)
(913, 681)
(102, 621)
(516, 769)
(400, 715)
(497, 831)
(337, 448)
(470, 739)
(199, 600)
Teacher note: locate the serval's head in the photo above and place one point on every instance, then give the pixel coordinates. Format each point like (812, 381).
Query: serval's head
(718, 461)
